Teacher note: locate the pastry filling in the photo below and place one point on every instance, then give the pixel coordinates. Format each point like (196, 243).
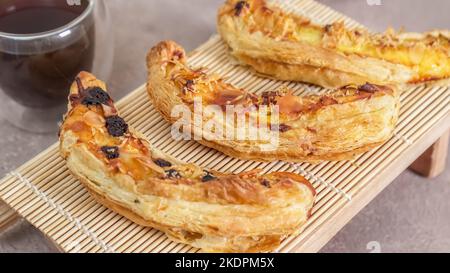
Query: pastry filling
(95, 96)
(116, 126)
(111, 152)
(240, 6)
(173, 174)
(208, 177)
(163, 163)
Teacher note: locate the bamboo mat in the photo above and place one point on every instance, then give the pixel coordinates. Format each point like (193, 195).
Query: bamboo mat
(46, 195)
(7, 216)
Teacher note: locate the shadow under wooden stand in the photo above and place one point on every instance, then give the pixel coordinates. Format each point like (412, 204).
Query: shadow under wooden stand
(433, 162)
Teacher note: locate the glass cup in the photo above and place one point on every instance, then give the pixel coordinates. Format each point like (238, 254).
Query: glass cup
(37, 69)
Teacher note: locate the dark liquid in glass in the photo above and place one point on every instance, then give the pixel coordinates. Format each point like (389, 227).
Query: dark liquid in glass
(42, 78)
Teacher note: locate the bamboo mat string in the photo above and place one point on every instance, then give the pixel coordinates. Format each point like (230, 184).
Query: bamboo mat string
(313, 178)
(67, 215)
(403, 138)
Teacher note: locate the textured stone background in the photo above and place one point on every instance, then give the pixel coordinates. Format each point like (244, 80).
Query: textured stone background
(411, 215)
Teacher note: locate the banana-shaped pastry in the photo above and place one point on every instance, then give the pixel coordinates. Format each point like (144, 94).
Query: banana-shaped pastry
(247, 212)
(290, 47)
(313, 128)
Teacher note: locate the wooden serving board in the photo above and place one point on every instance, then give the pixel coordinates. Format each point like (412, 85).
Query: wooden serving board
(45, 194)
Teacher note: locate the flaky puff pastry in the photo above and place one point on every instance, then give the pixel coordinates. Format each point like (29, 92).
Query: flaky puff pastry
(290, 47)
(213, 211)
(313, 128)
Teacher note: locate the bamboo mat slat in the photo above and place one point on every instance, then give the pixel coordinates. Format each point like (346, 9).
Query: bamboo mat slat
(45, 194)
(7, 216)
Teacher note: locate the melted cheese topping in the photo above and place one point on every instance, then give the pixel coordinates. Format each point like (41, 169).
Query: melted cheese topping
(214, 91)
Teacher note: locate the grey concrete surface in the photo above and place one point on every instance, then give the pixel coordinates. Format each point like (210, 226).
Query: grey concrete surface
(411, 215)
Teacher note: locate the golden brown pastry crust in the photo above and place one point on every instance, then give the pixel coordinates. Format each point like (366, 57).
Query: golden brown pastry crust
(289, 47)
(213, 211)
(335, 126)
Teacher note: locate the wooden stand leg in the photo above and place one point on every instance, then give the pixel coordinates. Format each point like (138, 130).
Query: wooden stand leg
(7, 216)
(432, 163)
